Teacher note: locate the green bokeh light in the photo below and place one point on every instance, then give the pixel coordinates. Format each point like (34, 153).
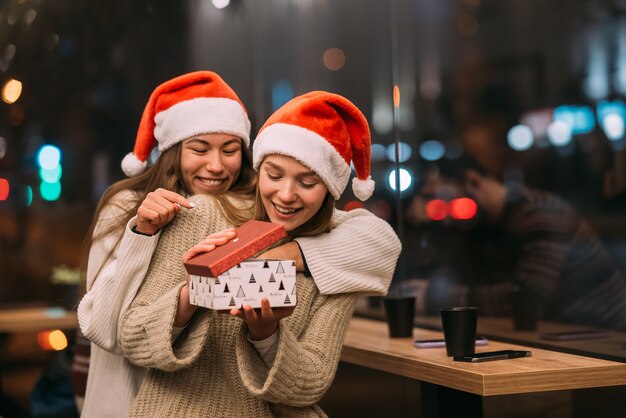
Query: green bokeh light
(28, 195)
(50, 191)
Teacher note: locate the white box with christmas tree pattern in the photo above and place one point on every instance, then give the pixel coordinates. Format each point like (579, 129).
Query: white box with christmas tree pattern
(246, 284)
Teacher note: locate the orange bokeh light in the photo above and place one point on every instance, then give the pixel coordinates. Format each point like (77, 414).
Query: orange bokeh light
(52, 340)
(396, 96)
(437, 209)
(463, 208)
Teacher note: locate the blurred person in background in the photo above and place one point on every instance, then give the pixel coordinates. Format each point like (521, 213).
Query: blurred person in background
(517, 239)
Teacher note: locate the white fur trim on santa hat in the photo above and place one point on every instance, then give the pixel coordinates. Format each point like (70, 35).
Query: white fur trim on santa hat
(309, 148)
(200, 116)
(132, 166)
(363, 189)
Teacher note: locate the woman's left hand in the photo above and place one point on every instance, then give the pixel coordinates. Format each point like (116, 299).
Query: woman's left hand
(262, 323)
(210, 243)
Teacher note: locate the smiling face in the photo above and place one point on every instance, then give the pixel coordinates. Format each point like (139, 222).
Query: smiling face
(290, 192)
(210, 163)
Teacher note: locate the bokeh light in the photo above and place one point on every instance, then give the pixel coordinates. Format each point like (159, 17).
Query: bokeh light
(4, 189)
(405, 179)
(463, 208)
(520, 137)
(220, 4)
(432, 150)
(334, 59)
(437, 209)
(52, 340)
(378, 152)
(282, 92)
(51, 175)
(579, 118)
(50, 191)
(12, 91)
(611, 116)
(28, 195)
(613, 126)
(559, 133)
(49, 157)
(404, 152)
(396, 96)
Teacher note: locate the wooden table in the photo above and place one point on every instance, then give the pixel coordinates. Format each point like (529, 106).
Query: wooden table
(449, 384)
(33, 319)
(612, 347)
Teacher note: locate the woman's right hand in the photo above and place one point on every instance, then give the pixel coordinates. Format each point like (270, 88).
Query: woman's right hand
(209, 243)
(158, 209)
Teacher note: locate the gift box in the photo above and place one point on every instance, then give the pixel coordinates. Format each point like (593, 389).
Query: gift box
(246, 284)
(227, 278)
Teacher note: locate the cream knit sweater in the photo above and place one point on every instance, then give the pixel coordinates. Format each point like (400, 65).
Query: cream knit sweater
(212, 370)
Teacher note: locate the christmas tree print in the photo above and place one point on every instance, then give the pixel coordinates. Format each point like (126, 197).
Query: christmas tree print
(226, 288)
(281, 287)
(252, 279)
(280, 269)
(272, 279)
(217, 280)
(287, 301)
(266, 265)
(232, 301)
(240, 293)
(260, 289)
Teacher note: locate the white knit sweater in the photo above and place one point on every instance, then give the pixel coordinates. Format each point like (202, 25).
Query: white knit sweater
(358, 255)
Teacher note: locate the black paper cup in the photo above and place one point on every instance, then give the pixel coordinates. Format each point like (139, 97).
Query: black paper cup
(400, 313)
(459, 329)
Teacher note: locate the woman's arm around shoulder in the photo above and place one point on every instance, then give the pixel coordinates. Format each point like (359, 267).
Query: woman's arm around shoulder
(358, 255)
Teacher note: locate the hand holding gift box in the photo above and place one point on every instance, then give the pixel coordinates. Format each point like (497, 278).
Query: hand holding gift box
(227, 278)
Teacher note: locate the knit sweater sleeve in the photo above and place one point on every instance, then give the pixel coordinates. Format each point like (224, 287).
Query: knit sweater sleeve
(358, 255)
(305, 364)
(115, 270)
(147, 329)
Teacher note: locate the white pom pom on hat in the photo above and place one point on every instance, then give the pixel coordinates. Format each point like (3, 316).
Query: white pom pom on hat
(196, 103)
(325, 132)
(132, 166)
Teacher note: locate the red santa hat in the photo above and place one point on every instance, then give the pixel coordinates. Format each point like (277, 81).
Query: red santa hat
(325, 132)
(191, 104)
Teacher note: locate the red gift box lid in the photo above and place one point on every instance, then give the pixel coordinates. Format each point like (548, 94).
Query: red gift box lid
(252, 237)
